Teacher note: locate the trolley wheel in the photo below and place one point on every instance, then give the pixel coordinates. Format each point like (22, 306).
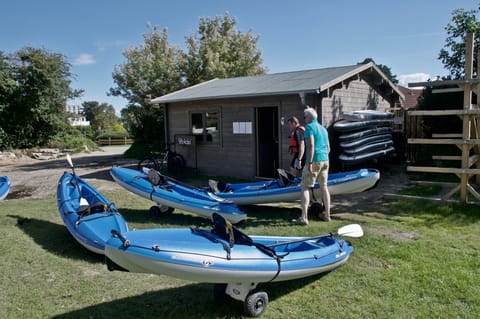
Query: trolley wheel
(255, 303)
(316, 209)
(157, 211)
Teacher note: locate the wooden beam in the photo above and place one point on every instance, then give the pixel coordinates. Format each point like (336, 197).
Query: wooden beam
(443, 141)
(452, 90)
(445, 112)
(473, 159)
(448, 135)
(473, 192)
(444, 82)
(451, 192)
(451, 170)
(446, 158)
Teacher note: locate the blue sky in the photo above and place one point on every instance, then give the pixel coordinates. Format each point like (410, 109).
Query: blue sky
(405, 35)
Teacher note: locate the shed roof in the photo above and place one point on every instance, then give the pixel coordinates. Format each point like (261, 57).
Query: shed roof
(297, 82)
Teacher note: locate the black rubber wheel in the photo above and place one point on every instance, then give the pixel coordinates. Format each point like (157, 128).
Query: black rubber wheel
(176, 163)
(219, 295)
(157, 211)
(147, 163)
(256, 303)
(316, 209)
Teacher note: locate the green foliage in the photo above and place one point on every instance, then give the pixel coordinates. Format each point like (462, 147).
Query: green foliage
(385, 70)
(113, 134)
(151, 70)
(102, 116)
(32, 103)
(157, 68)
(71, 139)
(86, 131)
(218, 50)
(452, 55)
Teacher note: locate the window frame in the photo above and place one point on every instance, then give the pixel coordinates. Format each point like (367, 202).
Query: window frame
(204, 135)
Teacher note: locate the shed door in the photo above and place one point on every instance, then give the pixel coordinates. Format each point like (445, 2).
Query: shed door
(267, 141)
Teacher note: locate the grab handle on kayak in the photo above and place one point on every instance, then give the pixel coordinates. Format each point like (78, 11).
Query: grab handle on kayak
(122, 238)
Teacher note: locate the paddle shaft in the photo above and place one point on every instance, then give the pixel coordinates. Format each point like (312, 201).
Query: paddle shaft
(69, 160)
(301, 240)
(353, 230)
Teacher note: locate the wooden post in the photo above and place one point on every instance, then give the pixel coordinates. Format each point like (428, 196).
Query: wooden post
(467, 104)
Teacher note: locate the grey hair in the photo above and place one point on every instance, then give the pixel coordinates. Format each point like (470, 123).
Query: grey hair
(310, 112)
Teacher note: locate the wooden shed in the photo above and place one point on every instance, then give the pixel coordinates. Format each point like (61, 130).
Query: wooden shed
(238, 126)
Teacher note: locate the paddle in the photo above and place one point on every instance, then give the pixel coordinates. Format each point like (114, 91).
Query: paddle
(352, 230)
(83, 201)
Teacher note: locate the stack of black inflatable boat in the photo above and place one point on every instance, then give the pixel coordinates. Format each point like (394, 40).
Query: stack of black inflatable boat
(365, 135)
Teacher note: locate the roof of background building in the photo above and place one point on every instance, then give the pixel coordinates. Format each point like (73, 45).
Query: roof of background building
(307, 81)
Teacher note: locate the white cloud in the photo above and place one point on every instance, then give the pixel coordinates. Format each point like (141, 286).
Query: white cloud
(84, 59)
(404, 79)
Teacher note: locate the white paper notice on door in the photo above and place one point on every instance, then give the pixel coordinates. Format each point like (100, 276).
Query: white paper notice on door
(242, 127)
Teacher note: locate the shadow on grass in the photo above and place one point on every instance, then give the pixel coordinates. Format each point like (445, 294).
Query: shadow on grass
(189, 301)
(257, 215)
(176, 219)
(55, 238)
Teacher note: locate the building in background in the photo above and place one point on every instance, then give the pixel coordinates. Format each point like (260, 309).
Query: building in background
(77, 116)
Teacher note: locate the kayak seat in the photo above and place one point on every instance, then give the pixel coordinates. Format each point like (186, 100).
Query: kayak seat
(225, 230)
(216, 186)
(286, 179)
(98, 207)
(156, 178)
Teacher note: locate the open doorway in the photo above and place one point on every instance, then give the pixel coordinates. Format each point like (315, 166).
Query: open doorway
(267, 141)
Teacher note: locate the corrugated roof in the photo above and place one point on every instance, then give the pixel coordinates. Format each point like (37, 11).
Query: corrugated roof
(307, 81)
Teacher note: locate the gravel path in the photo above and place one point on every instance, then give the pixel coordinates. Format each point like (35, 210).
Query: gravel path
(33, 178)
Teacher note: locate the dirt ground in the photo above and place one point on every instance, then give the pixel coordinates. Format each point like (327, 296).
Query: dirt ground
(33, 178)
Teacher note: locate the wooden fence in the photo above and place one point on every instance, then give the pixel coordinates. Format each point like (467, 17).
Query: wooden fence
(115, 141)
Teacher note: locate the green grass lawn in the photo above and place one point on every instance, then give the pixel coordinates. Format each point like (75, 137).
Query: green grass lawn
(416, 260)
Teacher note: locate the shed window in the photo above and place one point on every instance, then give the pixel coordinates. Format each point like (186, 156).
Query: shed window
(205, 127)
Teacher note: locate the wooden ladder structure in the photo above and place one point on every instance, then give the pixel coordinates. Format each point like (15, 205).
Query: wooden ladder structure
(468, 140)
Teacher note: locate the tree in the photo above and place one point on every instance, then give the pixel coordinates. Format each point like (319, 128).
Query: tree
(452, 54)
(101, 116)
(34, 108)
(218, 50)
(157, 68)
(7, 86)
(150, 70)
(385, 70)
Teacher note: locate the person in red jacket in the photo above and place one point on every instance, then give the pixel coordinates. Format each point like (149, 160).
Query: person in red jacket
(297, 146)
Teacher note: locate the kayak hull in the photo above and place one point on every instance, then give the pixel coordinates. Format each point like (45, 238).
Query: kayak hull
(183, 254)
(5, 185)
(91, 228)
(172, 194)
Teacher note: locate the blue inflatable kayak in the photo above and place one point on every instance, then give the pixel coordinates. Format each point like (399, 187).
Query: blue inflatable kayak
(170, 194)
(87, 214)
(4, 187)
(225, 255)
(286, 189)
